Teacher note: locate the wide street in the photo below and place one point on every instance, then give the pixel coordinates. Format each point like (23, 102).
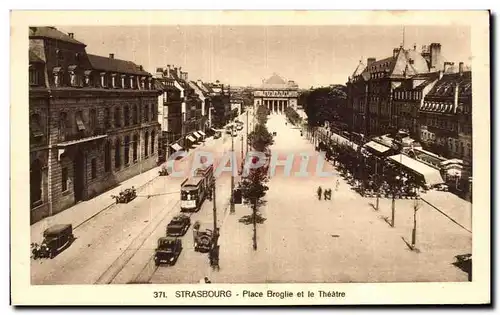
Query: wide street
(302, 239)
(116, 245)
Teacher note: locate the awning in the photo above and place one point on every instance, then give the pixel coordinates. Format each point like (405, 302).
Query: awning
(197, 135)
(190, 138)
(202, 133)
(176, 147)
(431, 175)
(377, 147)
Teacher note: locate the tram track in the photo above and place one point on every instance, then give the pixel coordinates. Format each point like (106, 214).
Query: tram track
(117, 266)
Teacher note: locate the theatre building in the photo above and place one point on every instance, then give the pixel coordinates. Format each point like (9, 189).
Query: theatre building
(92, 121)
(276, 94)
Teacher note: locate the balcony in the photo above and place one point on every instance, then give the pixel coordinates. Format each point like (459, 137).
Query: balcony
(82, 135)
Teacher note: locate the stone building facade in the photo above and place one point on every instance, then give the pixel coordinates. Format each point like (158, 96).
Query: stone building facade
(276, 94)
(92, 121)
(370, 89)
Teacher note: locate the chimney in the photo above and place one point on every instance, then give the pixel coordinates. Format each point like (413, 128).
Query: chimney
(461, 68)
(395, 52)
(168, 71)
(111, 56)
(369, 61)
(159, 72)
(176, 71)
(71, 35)
(447, 66)
(435, 52)
(179, 72)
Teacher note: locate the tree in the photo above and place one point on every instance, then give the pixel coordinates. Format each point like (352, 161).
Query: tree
(262, 113)
(260, 138)
(324, 104)
(253, 191)
(292, 116)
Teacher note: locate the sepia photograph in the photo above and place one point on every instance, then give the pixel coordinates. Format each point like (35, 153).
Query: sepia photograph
(247, 155)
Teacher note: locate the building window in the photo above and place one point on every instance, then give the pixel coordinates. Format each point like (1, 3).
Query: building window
(36, 131)
(93, 163)
(107, 156)
(33, 76)
(107, 118)
(146, 144)
(126, 116)
(135, 109)
(117, 117)
(127, 150)
(134, 150)
(93, 118)
(64, 179)
(117, 154)
(146, 113)
(153, 112)
(36, 183)
(153, 142)
(79, 121)
(63, 124)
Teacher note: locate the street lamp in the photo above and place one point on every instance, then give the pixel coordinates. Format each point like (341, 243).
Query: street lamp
(393, 204)
(232, 174)
(416, 206)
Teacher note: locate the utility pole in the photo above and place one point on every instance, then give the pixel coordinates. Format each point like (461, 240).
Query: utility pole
(215, 206)
(377, 183)
(247, 132)
(232, 175)
(416, 206)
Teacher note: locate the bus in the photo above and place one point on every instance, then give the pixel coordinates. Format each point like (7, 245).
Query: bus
(195, 189)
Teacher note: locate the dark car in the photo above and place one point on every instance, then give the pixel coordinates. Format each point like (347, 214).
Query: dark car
(55, 239)
(167, 251)
(203, 240)
(179, 225)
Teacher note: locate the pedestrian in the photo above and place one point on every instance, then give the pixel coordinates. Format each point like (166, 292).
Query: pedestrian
(319, 192)
(326, 194)
(337, 185)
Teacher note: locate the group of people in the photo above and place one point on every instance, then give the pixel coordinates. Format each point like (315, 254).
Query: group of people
(327, 193)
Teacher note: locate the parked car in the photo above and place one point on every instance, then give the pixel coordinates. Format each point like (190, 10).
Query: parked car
(55, 239)
(168, 250)
(179, 225)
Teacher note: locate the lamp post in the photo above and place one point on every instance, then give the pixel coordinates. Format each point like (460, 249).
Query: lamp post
(393, 203)
(416, 206)
(377, 183)
(232, 175)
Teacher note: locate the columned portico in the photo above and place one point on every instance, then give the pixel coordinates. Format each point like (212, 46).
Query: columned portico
(277, 95)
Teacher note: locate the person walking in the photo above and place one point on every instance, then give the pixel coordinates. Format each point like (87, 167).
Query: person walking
(337, 185)
(326, 194)
(319, 192)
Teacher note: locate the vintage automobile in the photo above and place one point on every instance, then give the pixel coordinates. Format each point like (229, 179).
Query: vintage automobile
(163, 171)
(125, 196)
(167, 251)
(203, 239)
(55, 239)
(179, 225)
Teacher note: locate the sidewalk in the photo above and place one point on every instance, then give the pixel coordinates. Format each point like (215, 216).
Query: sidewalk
(85, 210)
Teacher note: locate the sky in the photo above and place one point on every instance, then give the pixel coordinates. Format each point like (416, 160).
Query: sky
(245, 55)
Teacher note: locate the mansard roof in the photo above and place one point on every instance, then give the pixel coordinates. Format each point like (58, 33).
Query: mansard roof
(445, 87)
(52, 33)
(115, 65)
